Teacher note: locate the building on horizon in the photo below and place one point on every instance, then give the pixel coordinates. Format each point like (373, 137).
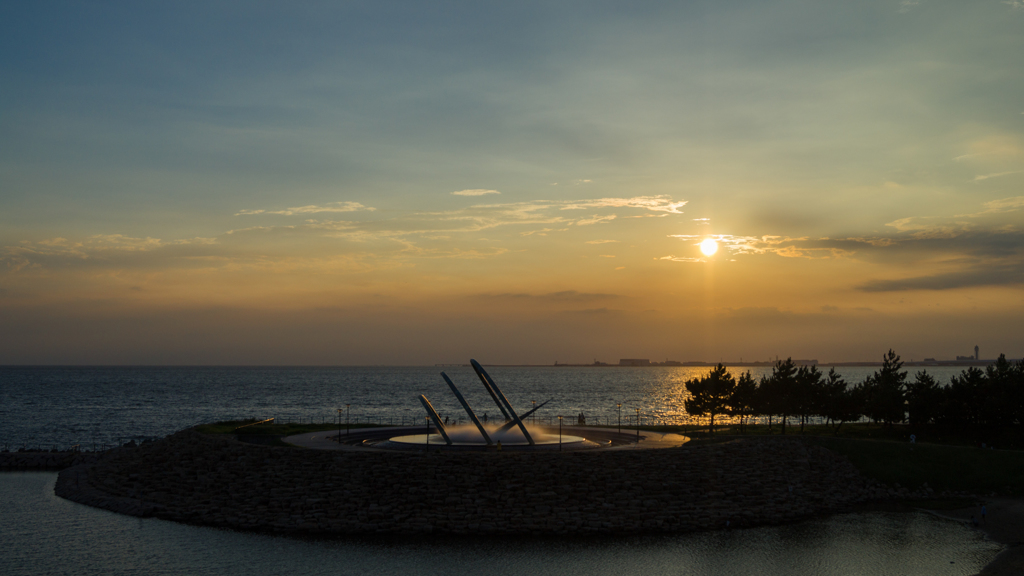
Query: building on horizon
(634, 362)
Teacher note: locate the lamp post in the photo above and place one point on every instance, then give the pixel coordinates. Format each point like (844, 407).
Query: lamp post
(533, 415)
(339, 425)
(637, 425)
(348, 411)
(426, 444)
(559, 433)
(619, 407)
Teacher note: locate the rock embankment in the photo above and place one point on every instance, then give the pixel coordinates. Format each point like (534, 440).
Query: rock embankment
(39, 460)
(216, 481)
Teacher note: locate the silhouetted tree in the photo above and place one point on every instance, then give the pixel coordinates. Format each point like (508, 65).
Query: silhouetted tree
(1002, 402)
(849, 407)
(839, 404)
(709, 395)
(965, 399)
(807, 393)
(924, 399)
(777, 392)
(885, 391)
(744, 398)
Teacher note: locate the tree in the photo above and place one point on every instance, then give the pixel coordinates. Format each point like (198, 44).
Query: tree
(709, 395)
(885, 391)
(1002, 399)
(777, 391)
(839, 403)
(807, 393)
(966, 398)
(924, 399)
(744, 398)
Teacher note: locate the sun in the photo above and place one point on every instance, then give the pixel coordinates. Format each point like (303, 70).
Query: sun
(709, 247)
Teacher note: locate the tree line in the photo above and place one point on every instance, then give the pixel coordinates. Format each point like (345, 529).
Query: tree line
(975, 398)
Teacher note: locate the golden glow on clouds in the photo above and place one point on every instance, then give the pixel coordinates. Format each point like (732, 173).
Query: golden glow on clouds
(679, 181)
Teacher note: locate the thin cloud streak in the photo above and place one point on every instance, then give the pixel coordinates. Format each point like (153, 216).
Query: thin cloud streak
(981, 177)
(475, 192)
(311, 209)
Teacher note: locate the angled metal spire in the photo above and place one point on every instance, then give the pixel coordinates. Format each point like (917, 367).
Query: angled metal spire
(496, 392)
(488, 385)
(465, 405)
(509, 425)
(437, 419)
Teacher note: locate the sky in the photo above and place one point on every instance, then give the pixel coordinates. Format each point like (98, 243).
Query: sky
(518, 182)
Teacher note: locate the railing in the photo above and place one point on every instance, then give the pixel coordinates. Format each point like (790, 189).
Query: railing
(412, 419)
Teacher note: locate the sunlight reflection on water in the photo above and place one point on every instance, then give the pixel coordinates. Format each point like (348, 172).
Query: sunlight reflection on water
(44, 407)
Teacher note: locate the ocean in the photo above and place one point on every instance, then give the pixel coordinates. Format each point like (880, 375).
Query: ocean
(96, 407)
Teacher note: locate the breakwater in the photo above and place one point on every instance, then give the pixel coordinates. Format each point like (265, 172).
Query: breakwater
(44, 460)
(217, 481)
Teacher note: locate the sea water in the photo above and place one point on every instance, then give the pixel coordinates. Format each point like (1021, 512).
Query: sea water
(42, 534)
(46, 407)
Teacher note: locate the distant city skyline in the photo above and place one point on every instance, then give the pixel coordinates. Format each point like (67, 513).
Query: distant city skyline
(406, 184)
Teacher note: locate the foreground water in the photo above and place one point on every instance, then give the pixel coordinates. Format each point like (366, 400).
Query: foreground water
(43, 534)
(45, 407)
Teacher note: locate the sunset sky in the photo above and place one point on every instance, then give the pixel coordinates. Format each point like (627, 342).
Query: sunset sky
(518, 182)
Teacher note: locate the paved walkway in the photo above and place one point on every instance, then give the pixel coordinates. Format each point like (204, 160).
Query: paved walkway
(325, 440)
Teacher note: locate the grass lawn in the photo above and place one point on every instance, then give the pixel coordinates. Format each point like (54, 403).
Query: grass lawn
(942, 467)
(884, 453)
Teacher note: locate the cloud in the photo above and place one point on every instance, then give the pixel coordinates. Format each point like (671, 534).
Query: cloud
(936, 226)
(968, 278)
(780, 245)
(595, 219)
(1002, 205)
(475, 192)
(541, 232)
(607, 256)
(908, 5)
(396, 237)
(562, 296)
(981, 177)
(601, 241)
(99, 248)
(674, 258)
(594, 311)
(930, 227)
(1015, 5)
(659, 203)
(311, 209)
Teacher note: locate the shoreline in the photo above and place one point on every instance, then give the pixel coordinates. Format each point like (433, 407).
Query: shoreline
(1004, 524)
(206, 480)
(126, 492)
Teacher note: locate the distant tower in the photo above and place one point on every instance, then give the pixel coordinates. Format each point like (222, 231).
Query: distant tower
(976, 356)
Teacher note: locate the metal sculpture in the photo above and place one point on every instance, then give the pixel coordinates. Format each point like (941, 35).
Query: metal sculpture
(436, 418)
(465, 405)
(496, 393)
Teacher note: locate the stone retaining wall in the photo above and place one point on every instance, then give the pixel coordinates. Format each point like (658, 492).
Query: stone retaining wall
(10, 461)
(209, 480)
